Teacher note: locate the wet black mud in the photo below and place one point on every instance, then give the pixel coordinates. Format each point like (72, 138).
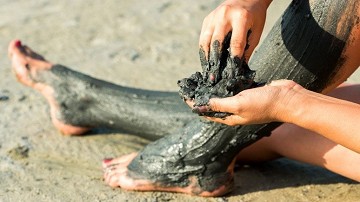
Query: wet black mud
(89, 102)
(223, 75)
(303, 46)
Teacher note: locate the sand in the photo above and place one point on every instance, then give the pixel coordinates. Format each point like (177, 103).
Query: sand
(122, 42)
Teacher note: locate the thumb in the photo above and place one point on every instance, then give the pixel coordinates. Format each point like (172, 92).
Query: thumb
(229, 104)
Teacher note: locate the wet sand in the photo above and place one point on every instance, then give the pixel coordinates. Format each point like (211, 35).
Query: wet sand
(133, 43)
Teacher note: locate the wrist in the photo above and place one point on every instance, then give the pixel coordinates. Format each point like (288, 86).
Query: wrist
(292, 105)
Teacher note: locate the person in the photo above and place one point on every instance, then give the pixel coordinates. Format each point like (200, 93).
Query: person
(281, 100)
(319, 129)
(325, 123)
(323, 126)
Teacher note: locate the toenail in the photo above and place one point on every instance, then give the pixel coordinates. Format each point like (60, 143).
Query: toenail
(18, 43)
(107, 160)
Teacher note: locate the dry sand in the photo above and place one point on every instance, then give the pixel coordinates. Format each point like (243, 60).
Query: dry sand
(122, 41)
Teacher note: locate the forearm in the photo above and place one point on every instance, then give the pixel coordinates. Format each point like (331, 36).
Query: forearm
(335, 119)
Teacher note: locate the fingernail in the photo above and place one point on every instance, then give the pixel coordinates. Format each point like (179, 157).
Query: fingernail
(18, 43)
(107, 160)
(201, 109)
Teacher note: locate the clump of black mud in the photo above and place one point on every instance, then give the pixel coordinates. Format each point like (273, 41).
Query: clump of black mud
(223, 76)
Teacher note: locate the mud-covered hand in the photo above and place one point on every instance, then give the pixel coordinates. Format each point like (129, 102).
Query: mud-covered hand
(257, 105)
(238, 17)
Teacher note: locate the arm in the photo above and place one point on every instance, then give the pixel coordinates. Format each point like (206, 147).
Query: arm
(286, 101)
(335, 119)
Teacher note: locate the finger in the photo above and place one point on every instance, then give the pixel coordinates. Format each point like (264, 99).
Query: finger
(220, 32)
(239, 37)
(229, 104)
(206, 33)
(216, 51)
(232, 120)
(252, 41)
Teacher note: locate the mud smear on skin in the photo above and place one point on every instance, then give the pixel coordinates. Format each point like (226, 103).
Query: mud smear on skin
(88, 102)
(69, 167)
(297, 48)
(195, 150)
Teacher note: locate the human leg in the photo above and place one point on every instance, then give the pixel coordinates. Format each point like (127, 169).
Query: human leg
(304, 47)
(235, 139)
(79, 102)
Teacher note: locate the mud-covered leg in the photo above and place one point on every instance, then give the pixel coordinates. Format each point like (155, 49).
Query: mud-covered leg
(311, 44)
(79, 102)
(151, 114)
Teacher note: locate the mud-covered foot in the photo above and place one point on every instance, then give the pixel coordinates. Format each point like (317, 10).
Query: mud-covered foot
(117, 174)
(27, 66)
(194, 160)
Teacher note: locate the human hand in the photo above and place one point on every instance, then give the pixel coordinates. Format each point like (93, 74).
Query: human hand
(257, 105)
(238, 17)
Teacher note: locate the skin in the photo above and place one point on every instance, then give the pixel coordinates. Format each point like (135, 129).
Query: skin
(237, 17)
(288, 140)
(28, 68)
(21, 57)
(283, 101)
(321, 151)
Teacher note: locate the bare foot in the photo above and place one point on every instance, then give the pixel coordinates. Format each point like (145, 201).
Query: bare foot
(116, 174)
(27, 66)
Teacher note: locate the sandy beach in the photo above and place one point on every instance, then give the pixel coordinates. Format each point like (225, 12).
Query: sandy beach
(143, 44)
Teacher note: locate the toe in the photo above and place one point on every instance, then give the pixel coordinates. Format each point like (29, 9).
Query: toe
(114, 180)
(114, 168)
(25, 62)
(17, 50)
(16, 47)
(106, 161)
(113, 177)
(121, 160)
(30, 53)
(13, 47)
(19, 65)
(120, 178)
